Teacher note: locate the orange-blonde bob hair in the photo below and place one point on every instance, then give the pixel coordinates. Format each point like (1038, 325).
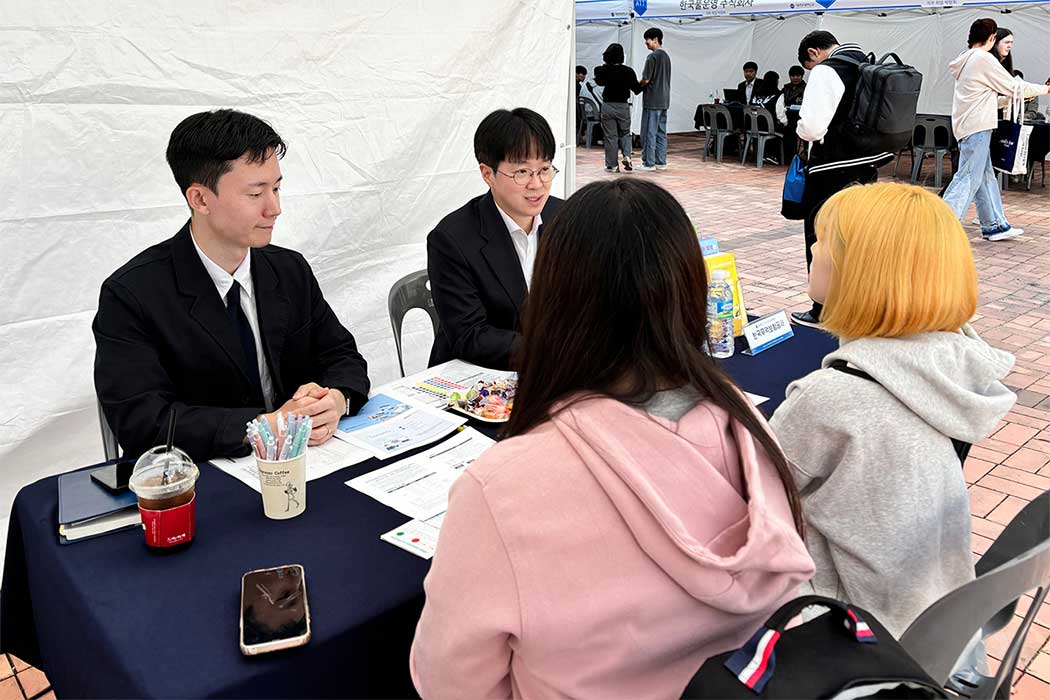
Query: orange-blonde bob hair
(901, 263)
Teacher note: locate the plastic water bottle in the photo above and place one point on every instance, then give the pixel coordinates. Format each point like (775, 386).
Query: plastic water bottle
(720, 314)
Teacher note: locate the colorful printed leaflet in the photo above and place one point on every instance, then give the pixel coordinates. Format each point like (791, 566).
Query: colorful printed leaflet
(489, 401)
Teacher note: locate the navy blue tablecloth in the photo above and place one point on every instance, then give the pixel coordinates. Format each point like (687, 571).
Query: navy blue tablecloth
(107, 618)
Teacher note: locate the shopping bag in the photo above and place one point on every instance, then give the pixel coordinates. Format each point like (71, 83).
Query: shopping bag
(1010, 138)
(794, 189)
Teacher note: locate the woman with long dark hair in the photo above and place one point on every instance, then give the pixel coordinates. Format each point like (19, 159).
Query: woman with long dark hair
(1003, 49)
(639, 515)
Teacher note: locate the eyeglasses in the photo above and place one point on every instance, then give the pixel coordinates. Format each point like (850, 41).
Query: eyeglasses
(523, 176)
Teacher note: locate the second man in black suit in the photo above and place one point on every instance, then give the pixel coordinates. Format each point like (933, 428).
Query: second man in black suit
(480, 257)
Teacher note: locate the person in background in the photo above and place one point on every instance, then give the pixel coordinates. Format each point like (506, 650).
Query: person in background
(619, 82)
(835, 158)
(480, 257)
(1003, 49)
(581, 78)
(656, 100)
(980, 80)
(787, 108)
(896, 275)
(750, 83)
(638, 517)
(768, 91)
(216, 323)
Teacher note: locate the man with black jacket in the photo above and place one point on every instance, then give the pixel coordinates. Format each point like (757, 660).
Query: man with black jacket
(835, 160)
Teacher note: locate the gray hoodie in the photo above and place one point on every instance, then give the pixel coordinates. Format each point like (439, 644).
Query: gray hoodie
(979, 81)
(887, 511)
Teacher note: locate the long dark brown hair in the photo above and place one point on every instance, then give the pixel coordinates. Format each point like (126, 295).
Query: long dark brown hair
(618, 308)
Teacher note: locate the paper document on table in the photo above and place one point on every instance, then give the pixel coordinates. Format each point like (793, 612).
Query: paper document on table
(755, 398)
(321, 460)
(431, 387)
(420, 537)
(418, 486)
(386, 427)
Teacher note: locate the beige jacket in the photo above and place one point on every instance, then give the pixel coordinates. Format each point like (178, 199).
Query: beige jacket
(979, 81)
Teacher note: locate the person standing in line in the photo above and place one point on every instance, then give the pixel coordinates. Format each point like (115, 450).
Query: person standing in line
(787, 108)
(656, 99)
(581, 77)
(980, 79)
(619, 82)
(836, 160)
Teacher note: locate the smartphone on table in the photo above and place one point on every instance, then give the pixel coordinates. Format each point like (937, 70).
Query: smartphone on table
(114, 477)
(274, 611)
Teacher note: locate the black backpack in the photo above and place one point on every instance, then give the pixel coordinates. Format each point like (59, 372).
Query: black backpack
(882, 114)
(842, 653)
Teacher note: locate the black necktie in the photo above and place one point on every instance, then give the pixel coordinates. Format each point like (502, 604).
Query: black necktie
(244, 332)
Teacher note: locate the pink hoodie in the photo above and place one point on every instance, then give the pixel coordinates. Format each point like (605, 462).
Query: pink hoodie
(605, 554)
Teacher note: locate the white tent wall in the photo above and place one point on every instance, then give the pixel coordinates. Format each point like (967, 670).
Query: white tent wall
(378, 103)
(592, 38)
(707, 53)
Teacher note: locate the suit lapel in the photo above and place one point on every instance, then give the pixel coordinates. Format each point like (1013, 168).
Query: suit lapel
(272, 308)
(498, 251)
(205, 306)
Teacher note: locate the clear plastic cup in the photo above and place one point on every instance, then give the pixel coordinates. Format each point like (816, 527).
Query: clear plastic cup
(164, 481)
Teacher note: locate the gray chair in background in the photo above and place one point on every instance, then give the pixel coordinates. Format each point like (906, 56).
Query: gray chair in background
(1018, 562)
(410, 292)
(760, 127)
(109, 439)
(718, 126)
(591, 119)
(932, 135)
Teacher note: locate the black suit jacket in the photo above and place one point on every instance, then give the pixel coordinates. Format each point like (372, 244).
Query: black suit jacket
(163, 339)
(755, 89)
(477, 283)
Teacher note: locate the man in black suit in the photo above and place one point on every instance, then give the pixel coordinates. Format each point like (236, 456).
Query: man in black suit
(216, 323)
(480, 256)
(751, 85)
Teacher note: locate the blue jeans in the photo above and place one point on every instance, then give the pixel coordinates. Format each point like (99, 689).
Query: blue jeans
(976, 182)
(654, 137)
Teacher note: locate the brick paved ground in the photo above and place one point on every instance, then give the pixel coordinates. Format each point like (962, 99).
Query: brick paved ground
(740, 206)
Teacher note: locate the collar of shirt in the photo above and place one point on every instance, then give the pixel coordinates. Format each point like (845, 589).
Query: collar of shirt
(512, 226)
(222, 279)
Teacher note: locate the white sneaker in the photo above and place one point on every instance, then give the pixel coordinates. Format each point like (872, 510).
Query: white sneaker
(661, 167)
(645, 168)
(612, 170)
(1012, 232)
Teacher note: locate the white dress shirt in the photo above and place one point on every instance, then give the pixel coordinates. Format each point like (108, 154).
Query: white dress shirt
(749, 89)
(525, 244)
(223, 281)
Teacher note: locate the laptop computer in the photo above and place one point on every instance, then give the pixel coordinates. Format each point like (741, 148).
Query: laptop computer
(733, 95)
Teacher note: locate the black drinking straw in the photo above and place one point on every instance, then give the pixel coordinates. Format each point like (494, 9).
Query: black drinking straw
(171, 428)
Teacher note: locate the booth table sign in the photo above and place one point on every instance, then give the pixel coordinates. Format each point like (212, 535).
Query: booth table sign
(767, 332)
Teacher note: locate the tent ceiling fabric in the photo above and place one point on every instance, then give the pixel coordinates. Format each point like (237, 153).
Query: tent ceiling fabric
(707, 53)
(378, 103)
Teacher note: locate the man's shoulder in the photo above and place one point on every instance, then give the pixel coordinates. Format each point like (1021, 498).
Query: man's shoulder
(145, 266)
(282, 257)
(467, 218)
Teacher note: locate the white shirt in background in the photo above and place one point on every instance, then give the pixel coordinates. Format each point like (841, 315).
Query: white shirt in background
(223, 281)
(525, 244)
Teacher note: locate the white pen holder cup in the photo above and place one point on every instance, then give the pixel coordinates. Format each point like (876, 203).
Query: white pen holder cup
(283, 485)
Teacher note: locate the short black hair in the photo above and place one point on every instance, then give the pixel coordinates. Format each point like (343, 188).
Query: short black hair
(654, 33)
(203, 146)
(751, 65)
(819, 39)
(796, 70)
(516, 134)
(581, 69)
(981, 31)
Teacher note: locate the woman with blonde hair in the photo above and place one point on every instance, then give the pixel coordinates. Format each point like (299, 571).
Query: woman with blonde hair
(870, 434)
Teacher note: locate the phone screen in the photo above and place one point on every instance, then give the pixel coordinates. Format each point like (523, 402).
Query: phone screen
(273, 605)
(114, 477)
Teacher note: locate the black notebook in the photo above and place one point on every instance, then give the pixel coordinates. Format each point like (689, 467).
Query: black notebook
(88, 509)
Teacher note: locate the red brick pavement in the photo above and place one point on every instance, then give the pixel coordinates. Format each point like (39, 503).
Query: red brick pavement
(740, 206)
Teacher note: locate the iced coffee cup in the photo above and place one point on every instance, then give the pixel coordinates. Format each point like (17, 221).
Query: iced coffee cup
(283, 485)
(164, 481)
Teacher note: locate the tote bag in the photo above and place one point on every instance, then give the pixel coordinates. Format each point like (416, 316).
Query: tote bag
(1010, 138)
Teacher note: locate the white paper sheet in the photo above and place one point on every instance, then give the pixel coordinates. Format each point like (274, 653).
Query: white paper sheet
(395, 427)
(321, 460)
(418, 486)
(420, 537)
(431, 386)
(755, 398)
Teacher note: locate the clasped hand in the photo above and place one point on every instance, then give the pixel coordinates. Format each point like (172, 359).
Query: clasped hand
(324, 406)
